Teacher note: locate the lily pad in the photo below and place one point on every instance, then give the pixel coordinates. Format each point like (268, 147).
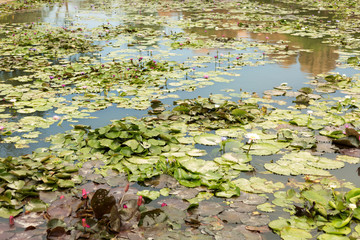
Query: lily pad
(208, 139)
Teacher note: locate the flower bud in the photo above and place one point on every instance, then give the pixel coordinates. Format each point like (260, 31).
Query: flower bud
(139, 201)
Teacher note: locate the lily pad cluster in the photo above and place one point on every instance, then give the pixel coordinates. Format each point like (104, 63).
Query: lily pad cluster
(168, 148)
(215, 113)
(144, 151)
(98, 216)
(317, 207)
(303, 163)
(33, 45)
(114, 212)
(27, 176)
(11, 6)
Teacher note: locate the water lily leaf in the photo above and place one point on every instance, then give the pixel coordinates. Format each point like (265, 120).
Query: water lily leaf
(348, 159)
(300, 120)
(152, 218)
(207, 208)
(106, 142)
(191, 183)
(263, 149)
(329, 228)
(243, 184)
(236, 157)
(7, 212)
(197, 165)
(357, 228)
(356, 213)
(325, 163)
(290, 233)
(196, 153)
(231, 216)
(101, 203)
(333, 134)
(35, 205)
(65, 183)
(320, 196)
(132, 143)
(32, 219)
(145, 160)
(8, 177)
(112, 134)
(266, 207)
(332, 237)
(208, 139)
(278, 169)
(165, 192)
(56, 232)
(228, 193)
(94, 143)
(317, 124)
(353, 60)
(265, 186)
(149, 194)
(17, 185)
(353, 195)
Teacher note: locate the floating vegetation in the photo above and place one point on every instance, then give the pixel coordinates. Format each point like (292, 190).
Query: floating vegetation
(209, 160)
(320, 208)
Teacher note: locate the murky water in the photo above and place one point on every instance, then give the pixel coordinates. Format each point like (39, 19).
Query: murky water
(314, 58)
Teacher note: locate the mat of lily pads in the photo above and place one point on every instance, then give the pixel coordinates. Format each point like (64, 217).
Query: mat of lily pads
(221, 166)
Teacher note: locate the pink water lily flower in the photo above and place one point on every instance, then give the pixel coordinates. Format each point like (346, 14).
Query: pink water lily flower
(84, 193)
(127, 187)
(139, 201)
(84, 224)
(11, 221)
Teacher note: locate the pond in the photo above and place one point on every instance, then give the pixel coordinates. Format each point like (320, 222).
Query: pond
(228, 115)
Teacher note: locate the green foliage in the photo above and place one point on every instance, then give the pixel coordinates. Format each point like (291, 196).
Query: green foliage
(320, 207)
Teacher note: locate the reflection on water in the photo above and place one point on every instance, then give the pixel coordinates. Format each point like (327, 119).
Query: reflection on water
(57, 14)
(321, 59)
(318, 57)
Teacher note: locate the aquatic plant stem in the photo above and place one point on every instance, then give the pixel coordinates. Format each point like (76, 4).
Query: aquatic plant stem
(251, 142)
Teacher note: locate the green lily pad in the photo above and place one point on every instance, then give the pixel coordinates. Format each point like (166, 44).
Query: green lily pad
(197, 165)
(332, 237)
(65, 183)
(208, 139)
(290, 233)
(328, 228)
(7, 212)
(236, 157)
(149, 194)
(35, 205)
(266, 207)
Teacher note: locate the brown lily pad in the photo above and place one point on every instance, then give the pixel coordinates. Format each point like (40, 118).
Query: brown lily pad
(101, 203)
(208, 208)
(252, 199)
(176, 203)
(231, 216)
(243, 207)
(59, 211)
